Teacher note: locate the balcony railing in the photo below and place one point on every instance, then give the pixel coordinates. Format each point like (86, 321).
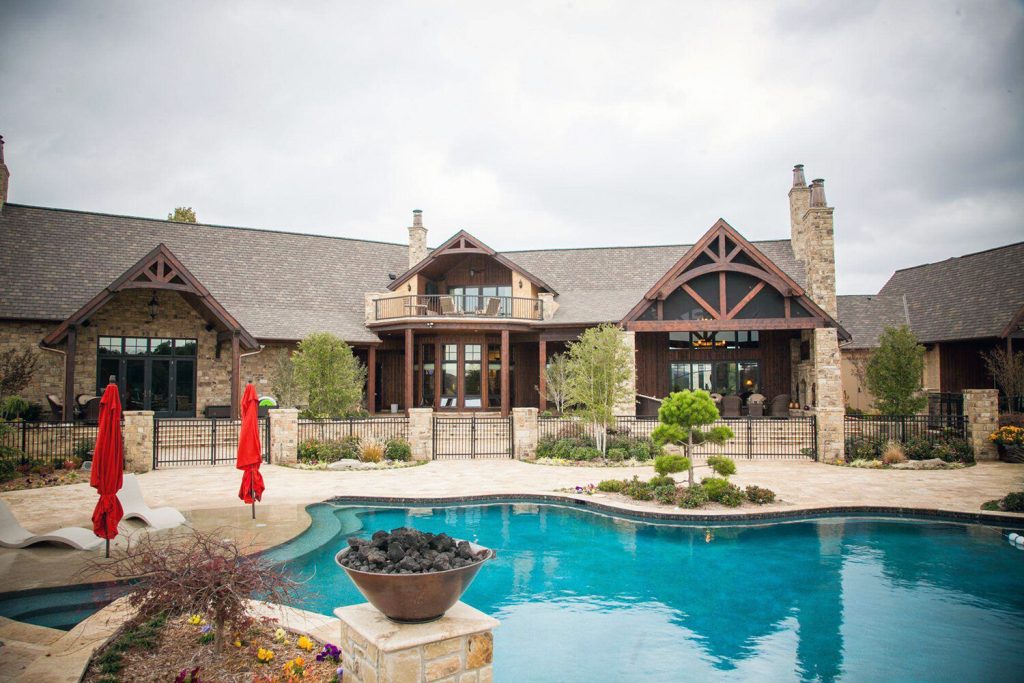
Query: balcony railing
(458, 306)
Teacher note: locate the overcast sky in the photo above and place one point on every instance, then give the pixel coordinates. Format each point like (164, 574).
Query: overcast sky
(529, 124)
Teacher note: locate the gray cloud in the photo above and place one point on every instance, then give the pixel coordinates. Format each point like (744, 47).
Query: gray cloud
(530, 124)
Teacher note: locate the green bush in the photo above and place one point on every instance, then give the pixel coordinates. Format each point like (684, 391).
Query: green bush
(720, 434)
(567, 448)
(1013, 502)
(638, 490)
(760, 496)
(8, 470)
(865, 447)
(82, 448)
(948, 448)
(714, 487)
(692, 497)
(670, 464)
(617, 454)
(312, 450)
(611, 485)
(661, 480)
(732, 496)
(665, 494)
(635, 448)
(13, 408)
(398, 450)
(722, 465)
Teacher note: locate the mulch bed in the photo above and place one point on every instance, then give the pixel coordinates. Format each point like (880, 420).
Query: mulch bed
(171, 650)
(38, 481)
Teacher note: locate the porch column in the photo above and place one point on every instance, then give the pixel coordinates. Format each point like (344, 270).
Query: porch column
(371, 379)
(505, 402)
(408, 369)
(542, 385)
(69, 374)
(236, 372)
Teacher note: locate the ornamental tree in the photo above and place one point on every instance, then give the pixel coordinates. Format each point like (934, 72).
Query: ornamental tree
(182, 214)
(556, 380)
(329, 374)
(599, 373)
(681, 417)
(894, 373)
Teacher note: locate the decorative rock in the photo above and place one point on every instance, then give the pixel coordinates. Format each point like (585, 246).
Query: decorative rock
(408, 551)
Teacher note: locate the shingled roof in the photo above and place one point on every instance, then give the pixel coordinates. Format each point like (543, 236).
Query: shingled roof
(282, 285)
(865, 317)
(966, 297)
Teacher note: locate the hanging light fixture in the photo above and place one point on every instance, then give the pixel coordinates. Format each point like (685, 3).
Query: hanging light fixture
(154, 307)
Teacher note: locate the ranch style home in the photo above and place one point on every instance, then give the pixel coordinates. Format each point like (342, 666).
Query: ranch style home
(182, 315)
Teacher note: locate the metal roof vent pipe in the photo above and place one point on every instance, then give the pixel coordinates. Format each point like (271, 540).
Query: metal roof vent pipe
(818, 192)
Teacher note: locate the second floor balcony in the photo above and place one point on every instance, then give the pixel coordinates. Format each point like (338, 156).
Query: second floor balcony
(458, 306)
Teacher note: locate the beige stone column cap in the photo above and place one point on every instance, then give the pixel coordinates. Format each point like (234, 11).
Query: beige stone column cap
(387, 636)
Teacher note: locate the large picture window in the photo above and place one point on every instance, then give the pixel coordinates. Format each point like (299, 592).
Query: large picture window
(157, 374)
(472, 299)
(741, 378)
(741, 339)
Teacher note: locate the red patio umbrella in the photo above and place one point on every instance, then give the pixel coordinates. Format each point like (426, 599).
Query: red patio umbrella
(108, 466)
(250, 455)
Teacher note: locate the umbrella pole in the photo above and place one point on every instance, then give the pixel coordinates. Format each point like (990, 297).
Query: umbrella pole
(108, 548)
(252, 494)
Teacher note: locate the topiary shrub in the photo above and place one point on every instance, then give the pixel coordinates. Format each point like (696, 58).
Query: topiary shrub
(692, 497)
(611, 485)
(665, 495)
(759, 496)
(722, 465)
(670, 464)
(714, 487)
(732, 496)
(398, 450)
(638, 490)
(662, 480)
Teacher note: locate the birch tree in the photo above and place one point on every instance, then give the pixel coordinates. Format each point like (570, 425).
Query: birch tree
(599, 368)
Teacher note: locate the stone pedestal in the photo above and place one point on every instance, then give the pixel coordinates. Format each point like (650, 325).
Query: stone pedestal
(981, 410)
(524, 432)
(457, 648)
(284, 435)
(421, 433)
(827, 392)
(138, 441)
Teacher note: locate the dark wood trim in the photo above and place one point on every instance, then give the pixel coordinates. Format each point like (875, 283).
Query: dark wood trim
(236, 379)
(719, 325)
(542, 357)
(1014, 322)
(697, 297)
(505, 351)
(371, 379)
(723, 306)
(746, 300)
(410, 351)
(783, 287)
(426, 325)
(69, 374)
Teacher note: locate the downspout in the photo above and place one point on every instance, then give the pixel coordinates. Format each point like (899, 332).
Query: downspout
(250, 353)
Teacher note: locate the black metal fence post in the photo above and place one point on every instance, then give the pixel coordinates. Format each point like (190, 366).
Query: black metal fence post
(213, 442)
(156, 442)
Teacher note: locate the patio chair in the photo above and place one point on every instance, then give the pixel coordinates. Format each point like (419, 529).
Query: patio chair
(779, 406)
(13, 535)
(491, 309)
(448, 306)
(91, 411)
(135, 506)
(56, 408)
(731, 406)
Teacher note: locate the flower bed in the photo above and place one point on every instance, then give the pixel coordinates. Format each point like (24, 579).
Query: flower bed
(583, 450)
(181, 649)
(37, 475)
(314, 451)
(598, 462)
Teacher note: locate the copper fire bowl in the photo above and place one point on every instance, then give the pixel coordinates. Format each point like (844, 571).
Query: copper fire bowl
(415, 598)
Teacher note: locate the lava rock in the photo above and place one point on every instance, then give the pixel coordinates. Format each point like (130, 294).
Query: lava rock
(408, 551)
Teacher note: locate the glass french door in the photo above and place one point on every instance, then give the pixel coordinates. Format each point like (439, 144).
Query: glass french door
(464, 375)
(151, 374)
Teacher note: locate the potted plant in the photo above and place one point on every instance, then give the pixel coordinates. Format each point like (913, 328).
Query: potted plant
(1010, 440)
(266, 403)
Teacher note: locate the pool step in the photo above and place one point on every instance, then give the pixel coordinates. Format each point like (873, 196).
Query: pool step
(27, 634)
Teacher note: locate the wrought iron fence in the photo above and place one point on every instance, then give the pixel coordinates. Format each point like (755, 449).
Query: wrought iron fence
(472, 437)
(1011, 404)
(47, 442)
(903, 428)
(941, 404)
(754, 437)
(382, 428)
(201, 441)
(467, 305)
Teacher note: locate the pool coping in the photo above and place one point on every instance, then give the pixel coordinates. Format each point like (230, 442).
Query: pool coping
(980, 517)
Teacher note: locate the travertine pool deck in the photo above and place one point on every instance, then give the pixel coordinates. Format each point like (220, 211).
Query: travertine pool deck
(208, 497)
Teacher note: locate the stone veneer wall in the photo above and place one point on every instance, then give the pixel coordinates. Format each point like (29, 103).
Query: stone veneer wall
(525, 432)
(127, 315)
(284, 435)
(138, 441)
(981, 410)
(49, 378)
(421, 433)
(258, 368)
(828, 408)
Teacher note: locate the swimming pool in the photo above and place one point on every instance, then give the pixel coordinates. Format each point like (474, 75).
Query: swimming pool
(583, 596)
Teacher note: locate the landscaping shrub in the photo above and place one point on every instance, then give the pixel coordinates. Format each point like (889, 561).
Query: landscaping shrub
(665, 494)
(635, 448)
(865, 447)
(721, 491)
(1011, 419)
(372, 451)
(44, 469)
(1013, 502)
(583, 453)
(732, 496)
(398, 450)
(82, 448)
(893, 453)
(8, 469)
(349, 447)
(638, 490)
(692, 497)
(759, 495)
(617, 454)
(722, 465)
(13, 408)
(670, 464)
(611, 485)
(662, 480)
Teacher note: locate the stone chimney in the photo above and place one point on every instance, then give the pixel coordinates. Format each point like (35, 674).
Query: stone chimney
(5, 176)
(812, 238)
(417, 239)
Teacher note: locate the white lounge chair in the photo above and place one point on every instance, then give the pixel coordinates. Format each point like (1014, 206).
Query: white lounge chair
(13, 535)
(134, 505)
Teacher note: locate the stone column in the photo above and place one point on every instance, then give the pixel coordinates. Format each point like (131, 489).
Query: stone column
(829, 393)
(421, 433)
(284, 435)
(628, 406)
(981, 410)
(138, 441)
(524, 432)
(457, 647)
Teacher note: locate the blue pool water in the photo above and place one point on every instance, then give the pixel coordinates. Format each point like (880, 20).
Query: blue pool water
(587, 597)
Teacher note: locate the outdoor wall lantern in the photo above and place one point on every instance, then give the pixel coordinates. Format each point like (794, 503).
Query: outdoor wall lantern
(154, 307)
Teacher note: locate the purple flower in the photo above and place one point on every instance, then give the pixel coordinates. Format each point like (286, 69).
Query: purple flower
(340, 673)
(332, 652)
(206, 629)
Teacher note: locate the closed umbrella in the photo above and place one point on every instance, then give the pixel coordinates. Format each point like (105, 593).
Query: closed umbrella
(250, 455)
(108, 466)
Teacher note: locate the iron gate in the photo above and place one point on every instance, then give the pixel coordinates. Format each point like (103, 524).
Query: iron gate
(181, 442)
(472, 437)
